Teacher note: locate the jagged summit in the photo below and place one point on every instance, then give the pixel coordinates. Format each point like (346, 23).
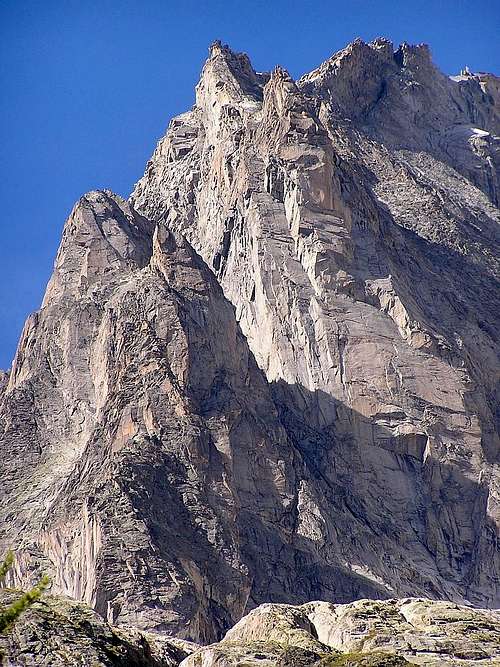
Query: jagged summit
(401, 99)
(379, 50)
(103, 235)
(271, 375)
(228, 75)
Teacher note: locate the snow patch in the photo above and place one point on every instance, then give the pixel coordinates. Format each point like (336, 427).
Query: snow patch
(479, 133)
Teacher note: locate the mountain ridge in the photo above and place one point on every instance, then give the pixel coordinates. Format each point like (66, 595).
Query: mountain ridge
(272, 374)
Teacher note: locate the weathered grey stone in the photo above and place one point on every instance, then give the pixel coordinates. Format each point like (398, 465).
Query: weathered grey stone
(58, 631)
(362, 262)
(297, 402)
(403, 101)
(366, 632)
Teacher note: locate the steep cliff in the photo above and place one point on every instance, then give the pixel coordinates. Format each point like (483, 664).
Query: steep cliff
(273, 375)
(146, 462)
(363, 267)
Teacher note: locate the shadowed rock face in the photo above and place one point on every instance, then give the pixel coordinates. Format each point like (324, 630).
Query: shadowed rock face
(272, 375)
(148, 468)
(152, 439)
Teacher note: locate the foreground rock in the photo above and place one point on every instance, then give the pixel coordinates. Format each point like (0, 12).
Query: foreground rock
(367, 633)
(58, 631)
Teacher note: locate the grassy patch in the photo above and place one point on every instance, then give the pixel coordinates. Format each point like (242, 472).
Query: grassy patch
(376, 659)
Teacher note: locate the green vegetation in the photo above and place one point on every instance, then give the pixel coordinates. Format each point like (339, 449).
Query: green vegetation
(10, 613)
(377, 659)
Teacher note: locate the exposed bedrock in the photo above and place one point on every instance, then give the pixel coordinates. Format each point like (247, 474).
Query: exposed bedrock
(272, 375)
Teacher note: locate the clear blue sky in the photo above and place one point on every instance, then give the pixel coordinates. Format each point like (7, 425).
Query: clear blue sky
(88, 87)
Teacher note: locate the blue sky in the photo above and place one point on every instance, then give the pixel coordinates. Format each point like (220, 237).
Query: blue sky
(88, 87)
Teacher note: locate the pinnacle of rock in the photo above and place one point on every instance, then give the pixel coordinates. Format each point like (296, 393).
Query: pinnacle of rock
(271, 376)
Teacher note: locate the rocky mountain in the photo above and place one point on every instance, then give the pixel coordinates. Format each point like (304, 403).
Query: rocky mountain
(272, 375)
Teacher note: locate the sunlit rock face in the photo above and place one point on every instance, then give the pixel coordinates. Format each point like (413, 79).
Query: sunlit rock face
(272, 374)
(363, 269)
(153, 464)
(365, 633)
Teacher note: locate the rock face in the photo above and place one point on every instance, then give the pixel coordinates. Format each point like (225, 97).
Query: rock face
(366, 633)
(363, 267)
(273, 374)
(152, 455)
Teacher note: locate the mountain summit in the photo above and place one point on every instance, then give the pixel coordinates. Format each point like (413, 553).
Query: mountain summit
(272, 374)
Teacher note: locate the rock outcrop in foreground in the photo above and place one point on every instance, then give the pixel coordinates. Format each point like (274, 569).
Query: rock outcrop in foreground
(366, 633)
(272, 375)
